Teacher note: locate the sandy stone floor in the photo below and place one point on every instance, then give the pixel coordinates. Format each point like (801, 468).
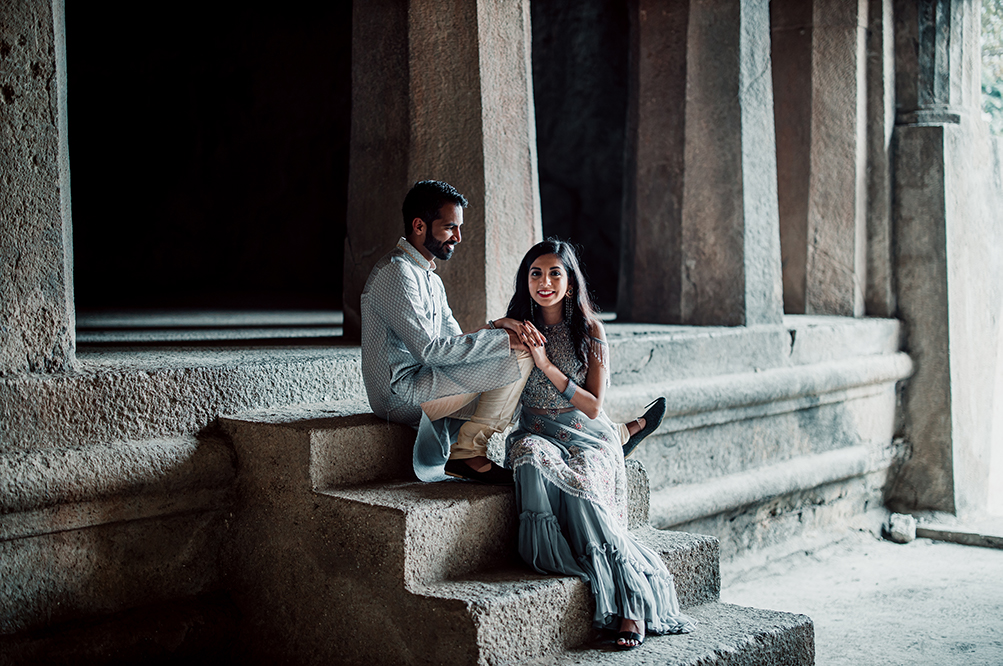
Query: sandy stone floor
(877, 602)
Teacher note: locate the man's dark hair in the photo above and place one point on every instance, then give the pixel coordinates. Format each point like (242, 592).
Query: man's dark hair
(426, 198)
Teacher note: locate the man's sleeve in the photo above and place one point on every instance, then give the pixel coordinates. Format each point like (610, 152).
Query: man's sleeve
(448, 320)
(394, 294)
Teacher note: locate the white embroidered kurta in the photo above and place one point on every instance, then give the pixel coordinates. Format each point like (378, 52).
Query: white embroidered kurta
(414, 351)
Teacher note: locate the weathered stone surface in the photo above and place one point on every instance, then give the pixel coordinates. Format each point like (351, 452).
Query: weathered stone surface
(901, 528)
(921, 260)
(700, 242)
(36, 265)
(819, 58)
(74, 574)
(814, 385)
(769, 526)
(436, 561)
(683, 503)
(769, 431)
(731, 397)
(949, 299)
(947, 199)
(693, 560)
(462, 78)
(638, 499)
(41, 482)
(879, 296)
(936, 60)
(147, 394)
(381, 134)
(727, 634)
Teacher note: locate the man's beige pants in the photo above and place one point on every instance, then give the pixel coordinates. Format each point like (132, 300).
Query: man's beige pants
(492, 413)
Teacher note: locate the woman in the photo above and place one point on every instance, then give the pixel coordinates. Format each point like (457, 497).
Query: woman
(571, 486)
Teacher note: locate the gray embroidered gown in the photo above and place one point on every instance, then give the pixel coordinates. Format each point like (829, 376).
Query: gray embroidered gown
(571, 494)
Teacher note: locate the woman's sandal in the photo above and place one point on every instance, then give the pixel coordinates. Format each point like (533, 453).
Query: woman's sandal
(652, 419)
(628, 636)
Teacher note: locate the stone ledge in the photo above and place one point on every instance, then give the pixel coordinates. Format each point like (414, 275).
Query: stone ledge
(696, 403)
(649, 352)
(956, 534)
(681, 504)
(59, 489)
(148, 394)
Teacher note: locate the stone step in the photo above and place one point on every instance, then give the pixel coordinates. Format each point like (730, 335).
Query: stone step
(336, 444)
(137, 394)
(420, 533)
(319, 558)
(417, 533)
(503, 613)
(651, 353)
(729, 424)
(518, 615)
(508, 616)
(725, 634)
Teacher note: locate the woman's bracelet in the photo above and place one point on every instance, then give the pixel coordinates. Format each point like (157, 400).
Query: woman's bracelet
(570, 391)
(491, 323)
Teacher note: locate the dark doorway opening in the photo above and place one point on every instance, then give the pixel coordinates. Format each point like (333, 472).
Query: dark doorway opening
(209, 154)
(580, 78)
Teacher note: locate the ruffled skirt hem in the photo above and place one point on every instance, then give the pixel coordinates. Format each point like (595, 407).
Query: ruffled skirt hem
(564, 534)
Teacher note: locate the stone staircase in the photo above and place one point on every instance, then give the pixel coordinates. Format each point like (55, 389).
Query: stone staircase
(772, 433)
(339, 556)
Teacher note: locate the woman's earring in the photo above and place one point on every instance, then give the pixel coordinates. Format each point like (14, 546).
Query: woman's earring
(532, 310)
(567, 306)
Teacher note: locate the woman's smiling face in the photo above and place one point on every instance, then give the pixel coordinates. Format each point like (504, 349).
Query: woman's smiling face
(548, 280)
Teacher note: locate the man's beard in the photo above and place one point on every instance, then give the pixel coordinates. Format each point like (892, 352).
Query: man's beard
(438, 250)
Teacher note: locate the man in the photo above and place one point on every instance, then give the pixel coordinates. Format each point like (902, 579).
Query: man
(419, 367)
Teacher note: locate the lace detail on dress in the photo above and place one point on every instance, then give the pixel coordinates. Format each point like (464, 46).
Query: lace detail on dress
(586, 473)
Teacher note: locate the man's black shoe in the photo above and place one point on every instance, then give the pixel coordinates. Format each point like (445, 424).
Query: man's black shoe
(496, 476)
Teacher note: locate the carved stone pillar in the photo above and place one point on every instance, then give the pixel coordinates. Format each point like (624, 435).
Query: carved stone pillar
(700, 242)
(879, 296)
(444, 91)
(936, 78)
(819, 70)
(36, 266)
(949, 274)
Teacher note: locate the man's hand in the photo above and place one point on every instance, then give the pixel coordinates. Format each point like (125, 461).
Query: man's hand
(515, 340)
(525, 333)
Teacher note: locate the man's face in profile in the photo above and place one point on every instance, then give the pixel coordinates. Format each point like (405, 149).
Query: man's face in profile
(444, 232)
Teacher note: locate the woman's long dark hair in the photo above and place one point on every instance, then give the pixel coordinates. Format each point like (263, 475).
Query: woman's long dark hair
(582, 314)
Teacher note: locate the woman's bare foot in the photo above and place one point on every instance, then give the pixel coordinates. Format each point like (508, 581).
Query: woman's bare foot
(636, 426)
(630, 626)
